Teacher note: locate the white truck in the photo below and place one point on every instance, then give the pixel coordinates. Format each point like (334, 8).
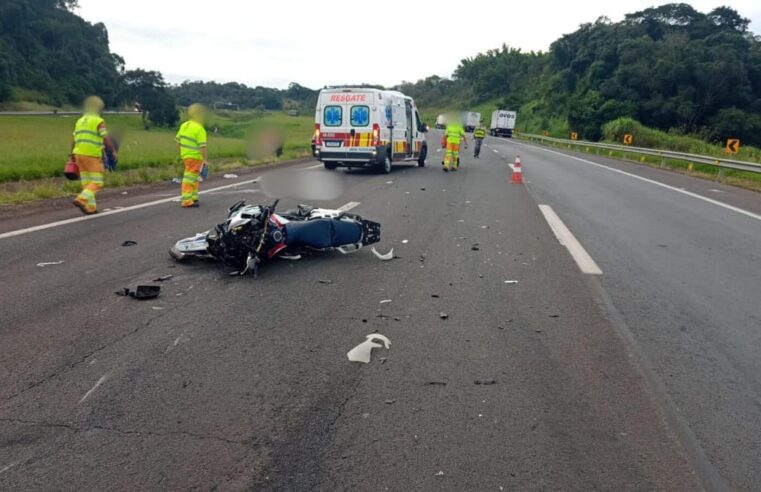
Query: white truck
(441, 121)
(471, 120)
(502, 123)
(362, 127)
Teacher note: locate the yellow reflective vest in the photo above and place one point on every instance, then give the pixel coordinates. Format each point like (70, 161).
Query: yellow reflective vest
(454, 133)
(479, 133)
(88, 135)
(192, 138)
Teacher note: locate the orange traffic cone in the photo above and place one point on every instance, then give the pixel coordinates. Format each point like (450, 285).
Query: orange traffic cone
(517, 173)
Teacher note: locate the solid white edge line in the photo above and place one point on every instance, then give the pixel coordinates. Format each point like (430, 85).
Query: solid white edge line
(566, 238)
(727, 206)
(106, 213)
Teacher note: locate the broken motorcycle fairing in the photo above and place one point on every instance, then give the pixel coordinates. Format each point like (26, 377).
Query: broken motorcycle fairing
(253, 234)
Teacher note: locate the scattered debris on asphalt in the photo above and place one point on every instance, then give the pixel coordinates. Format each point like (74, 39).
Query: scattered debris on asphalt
(422, 189)
(486, 227)
(176, 181)
(435, 383)
(382, 360)
(389, 182)
(48, 263)
(485, 382)
(511, 282)
(361, 353)
(554, 316)
(538, 331)
(389, 402)
(387, 257)
(125, 193)
(439, 473)
(435, 296)
(385, 301)
(325, 281)
(141, 292)
(475, 247)
(405, 241)
(443, 315)
(163, 278)
(129, 242)
(230, 176)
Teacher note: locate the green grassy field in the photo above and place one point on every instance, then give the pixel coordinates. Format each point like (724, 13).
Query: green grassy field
(33, 150)
(36, 147)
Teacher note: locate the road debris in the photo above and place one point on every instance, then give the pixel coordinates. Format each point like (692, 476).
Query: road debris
(387, 257)
(125, 193)
(475, 247)
(443, 315)
(48, 263)
(325, 281)
(385, 301)
(435, 296)
(389, 402)
(484, 382)
(129, 242)
(439, 473)
(405, 241)
(435, 383)
(513, 282)
(163, 278)
(140, 292)
(230, 176)
(361, 353)
(176, 180)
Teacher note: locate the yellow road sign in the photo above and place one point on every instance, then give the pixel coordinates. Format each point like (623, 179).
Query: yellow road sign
(733, 145)
(574, 136)
(628, 139)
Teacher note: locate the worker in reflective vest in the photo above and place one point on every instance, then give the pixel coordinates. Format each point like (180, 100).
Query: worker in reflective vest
(454, 135)
(478, 134)
(191, 143)
(90, 137)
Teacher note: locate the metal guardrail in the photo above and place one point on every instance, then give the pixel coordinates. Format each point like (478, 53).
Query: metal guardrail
(663, 154)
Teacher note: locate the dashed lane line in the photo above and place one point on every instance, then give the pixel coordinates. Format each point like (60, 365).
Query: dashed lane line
(566, 238)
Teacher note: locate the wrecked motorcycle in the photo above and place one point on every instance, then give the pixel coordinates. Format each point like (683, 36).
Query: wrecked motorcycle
(253, 234)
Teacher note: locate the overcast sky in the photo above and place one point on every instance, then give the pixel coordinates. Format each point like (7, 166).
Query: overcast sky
(319, 43)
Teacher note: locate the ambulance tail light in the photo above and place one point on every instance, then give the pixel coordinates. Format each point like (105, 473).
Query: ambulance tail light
(376, 135)
(317, 137)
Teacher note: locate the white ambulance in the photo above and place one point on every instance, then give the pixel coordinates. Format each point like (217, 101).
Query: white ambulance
(361, 127)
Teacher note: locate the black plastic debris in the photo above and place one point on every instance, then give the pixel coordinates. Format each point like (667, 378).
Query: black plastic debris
(475, 247)
(484, 382)
(129, 242)
(325, 281)
(140, 292)
(443, 315)
(435, 383)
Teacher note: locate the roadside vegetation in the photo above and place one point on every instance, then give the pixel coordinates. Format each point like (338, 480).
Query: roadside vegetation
(34, 149)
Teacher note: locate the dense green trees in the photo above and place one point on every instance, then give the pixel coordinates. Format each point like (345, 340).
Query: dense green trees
(670, 67)
(46, 48)
(244, 97)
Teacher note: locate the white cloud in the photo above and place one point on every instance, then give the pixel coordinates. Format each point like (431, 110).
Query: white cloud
(339, 42)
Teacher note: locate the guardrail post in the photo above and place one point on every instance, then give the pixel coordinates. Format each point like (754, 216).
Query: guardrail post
(720, 174)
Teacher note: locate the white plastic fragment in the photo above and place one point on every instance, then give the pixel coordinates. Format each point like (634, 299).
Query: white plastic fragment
(405, 241)
(361, 353)
(385, 301)
(511, 281)
(46, 263)
(230, 176)
(387, 257)
(439, 473)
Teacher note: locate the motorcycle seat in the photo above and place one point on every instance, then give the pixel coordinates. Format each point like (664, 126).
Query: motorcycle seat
(322, 233)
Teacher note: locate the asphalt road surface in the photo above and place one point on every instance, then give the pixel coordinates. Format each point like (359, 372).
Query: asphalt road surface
(641, 376)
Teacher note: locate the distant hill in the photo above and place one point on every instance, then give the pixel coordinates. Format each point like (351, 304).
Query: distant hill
(669, 67)
(54, 54)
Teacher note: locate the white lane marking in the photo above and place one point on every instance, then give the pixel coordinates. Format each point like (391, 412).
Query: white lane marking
(739, 210)
(348, 206)
(567, 239)
(100, 381)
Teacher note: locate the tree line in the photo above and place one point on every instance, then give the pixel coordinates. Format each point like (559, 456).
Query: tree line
(55, 57)
(669, 67)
